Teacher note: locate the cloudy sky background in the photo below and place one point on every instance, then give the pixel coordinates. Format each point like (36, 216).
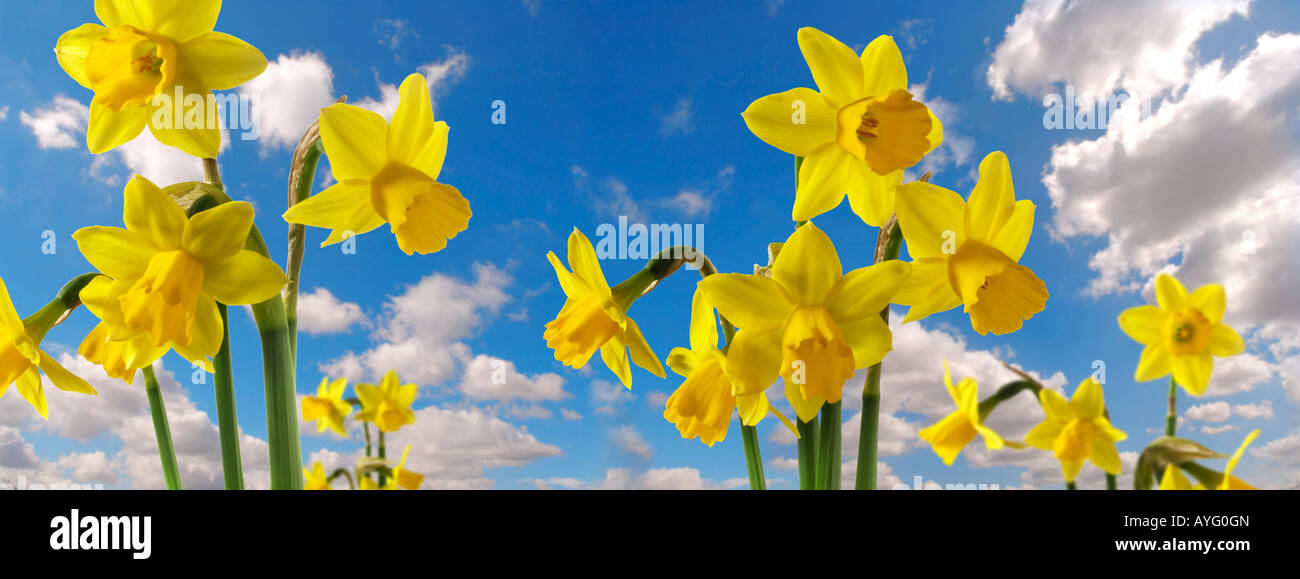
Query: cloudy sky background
(616, 109)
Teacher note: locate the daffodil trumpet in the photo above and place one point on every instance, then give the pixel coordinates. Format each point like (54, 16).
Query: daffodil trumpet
(278, 367)
(161, 430)
(223, 385)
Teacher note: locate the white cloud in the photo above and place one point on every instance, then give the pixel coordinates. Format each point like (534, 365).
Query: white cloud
(288, 96)
(392, 31)
(490, 378)
(319, 312)
(957, 149)
(1219, 429)
(570, 414)
(608, 397)
(677, 121)
(440, 74)
(1211, 412)
(534, 7)
(159, 163)
(531, 411)
(60, 125)
(656, 399)
(1253, 411)
(683, 478)
(1143, 46)
(626, 439)
(454, 447)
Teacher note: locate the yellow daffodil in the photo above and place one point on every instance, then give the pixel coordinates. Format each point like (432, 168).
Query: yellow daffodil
(316, 479)
(966, 252)
(593, 318)
(701, 407)
(387, 173)
(121, 351)
(1078, 430)
(1174, 480)
(401, 478)
(809, 323)
(959, 428)
(387, 405)
(177, 268)
(1181, 334)
(156, 48)
(856, 135)
(327, 407)
(22, 361)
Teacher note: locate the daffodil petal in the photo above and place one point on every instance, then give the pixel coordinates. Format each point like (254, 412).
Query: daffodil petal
(244, 278)
(1192, 372)
(614, 354)
(754, 360)
(882, 67)
(218, 233)
(704, 324)
(870, 339)
(1224, 341)
(62, 378)
(1156, 362)
(1170, 293)
(808, 266)
(1013, 238)
(1174, 480)
(149, 212)
(927, 290)
(749, 302)
(797, 121)
(585, 265)
(683, 361)
(1043, 436)
(412, 124)
(640, 350)
(203, 142)
(1088, 400)
(863, 292)
(992, 201)
(834, 66)
(220, 61)
(355, 140)
(429, 158)
(1210, 300)
(1055, 406)
(178, 20)
(822, 180)
(1145, 324)
(9, 317)
(72, 47)
(931, 218)
(871, 195)
(332, 208)
(114, 251)
(109, 128)
(30, 388)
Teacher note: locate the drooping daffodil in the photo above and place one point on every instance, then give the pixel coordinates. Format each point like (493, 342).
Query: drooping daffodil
(1077, 430)
(388, 405)
(950, 435)
(171, 270)
(327, 407)
(595, 318)
(387, 173)
(121, 351)
(702, 406)
(856, 133)
(155, 63)
(809, 323)
(22, 361)
(967, 252)
(1174, 480)
(1181, 334)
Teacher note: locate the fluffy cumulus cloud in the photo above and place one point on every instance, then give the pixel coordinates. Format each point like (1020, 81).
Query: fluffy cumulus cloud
(490, 378)
(319, 312)
(288, 96)
(440, 74)
(58, 125)
(1143, 46)
(681, 478)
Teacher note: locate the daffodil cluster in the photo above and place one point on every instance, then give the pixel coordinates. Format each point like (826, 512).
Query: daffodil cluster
(388, 407)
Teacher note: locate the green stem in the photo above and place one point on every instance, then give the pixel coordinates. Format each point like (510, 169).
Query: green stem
(365, 426)
(343, 472)
(753, 458)
(58, 309)
(1070, 486)
(828, 448)
(1006, 392)
(1111, 482)
(163, 432)
(889, 243)
(1171, 418)
(232, 468)
(807, 454)
(301, 177)
(383, 454)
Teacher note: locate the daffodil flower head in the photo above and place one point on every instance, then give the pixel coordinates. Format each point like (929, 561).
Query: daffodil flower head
(315, 479)
(595, 318)
(856, 133)
(150, 48)
(121, 350)
(1174, 480)
(387, 405)
(1077, 430)
(808, 323)
(701, 407)
(22, 361)
(967, 253)
(327, 407)
(950, 435)
(1181, 334)
(387, 173)
(400, 479)
(177, 268)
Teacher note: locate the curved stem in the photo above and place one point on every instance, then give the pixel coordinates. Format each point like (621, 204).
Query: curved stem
(301, 176)
(343, 472)
(58, 309)
(1006, 392)
(161, 430)
(232, 468)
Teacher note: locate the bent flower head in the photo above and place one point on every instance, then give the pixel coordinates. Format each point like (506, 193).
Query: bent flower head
(145, 49)
(856, 133)
(22, 361)
(950, 435)
(387, 173)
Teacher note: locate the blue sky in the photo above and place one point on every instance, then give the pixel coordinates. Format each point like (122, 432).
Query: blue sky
(620, 108)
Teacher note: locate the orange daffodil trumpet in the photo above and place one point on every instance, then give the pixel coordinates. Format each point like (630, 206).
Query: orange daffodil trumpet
(967, 252)
(595, 318)
(1181, 334)
(168, 272)
(809, 323)
(156, 48)
(1077, 430)
(387, 173)
(857, 132)
(702, 406)
(959, 428)
(22, 361)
